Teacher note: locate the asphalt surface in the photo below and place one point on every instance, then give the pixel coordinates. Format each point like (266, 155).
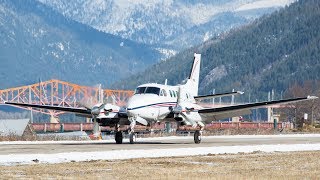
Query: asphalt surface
(157, 143)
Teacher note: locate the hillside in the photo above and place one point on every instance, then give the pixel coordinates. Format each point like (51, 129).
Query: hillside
(38, 42)
(169, 25)
(271, 53)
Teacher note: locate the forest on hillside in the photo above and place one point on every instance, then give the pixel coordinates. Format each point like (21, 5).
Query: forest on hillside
(272, 53)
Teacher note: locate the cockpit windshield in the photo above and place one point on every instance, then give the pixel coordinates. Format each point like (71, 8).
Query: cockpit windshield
(147, 90)
(152, 90)
(140, 90)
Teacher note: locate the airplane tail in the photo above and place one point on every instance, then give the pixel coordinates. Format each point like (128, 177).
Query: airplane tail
(193, 80)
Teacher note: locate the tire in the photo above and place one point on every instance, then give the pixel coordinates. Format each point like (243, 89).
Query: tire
(118, 137)
(132, 138)
(197, 137)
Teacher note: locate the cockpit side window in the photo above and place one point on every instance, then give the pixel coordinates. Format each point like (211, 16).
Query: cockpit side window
(140, 90)
(152, 90)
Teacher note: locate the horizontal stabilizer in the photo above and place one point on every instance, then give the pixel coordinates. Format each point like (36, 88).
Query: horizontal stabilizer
(199, 98)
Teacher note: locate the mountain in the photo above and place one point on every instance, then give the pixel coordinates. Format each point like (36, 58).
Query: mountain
(169, 25)
(38, 42)
(272, 53)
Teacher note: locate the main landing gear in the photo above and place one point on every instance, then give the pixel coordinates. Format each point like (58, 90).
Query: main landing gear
(118, 135)
(198, 133)
(197, 137)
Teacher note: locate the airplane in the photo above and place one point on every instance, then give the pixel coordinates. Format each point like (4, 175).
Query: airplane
(154, 102)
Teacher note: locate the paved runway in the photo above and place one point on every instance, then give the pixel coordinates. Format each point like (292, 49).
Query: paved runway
(48, 147)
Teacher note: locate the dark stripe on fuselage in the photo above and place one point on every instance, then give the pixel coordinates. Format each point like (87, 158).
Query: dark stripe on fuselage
(162, 103)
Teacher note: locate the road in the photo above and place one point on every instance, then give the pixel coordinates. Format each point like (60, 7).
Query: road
(48, 147)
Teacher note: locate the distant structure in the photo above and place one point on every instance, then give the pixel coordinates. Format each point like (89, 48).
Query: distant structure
(64, 94)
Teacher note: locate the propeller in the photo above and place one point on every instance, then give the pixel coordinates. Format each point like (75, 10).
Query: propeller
(179, 111)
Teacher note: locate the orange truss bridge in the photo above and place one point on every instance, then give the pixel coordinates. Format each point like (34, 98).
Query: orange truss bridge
(64, 94)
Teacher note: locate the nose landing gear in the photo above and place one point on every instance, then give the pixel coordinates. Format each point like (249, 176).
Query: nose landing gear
(132, 136)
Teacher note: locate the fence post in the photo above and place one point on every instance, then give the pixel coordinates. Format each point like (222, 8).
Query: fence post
(275, 124)
(61, 127)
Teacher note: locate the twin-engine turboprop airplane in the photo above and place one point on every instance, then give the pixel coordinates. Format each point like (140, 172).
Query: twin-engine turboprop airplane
(158, 103)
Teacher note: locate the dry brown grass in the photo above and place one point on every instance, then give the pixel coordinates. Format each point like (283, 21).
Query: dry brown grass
(258, 165)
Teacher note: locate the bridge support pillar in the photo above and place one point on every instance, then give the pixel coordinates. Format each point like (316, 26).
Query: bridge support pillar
(54, 119)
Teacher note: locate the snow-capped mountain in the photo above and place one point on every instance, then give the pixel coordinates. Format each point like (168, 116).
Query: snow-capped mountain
(169, 24)
(38, 42)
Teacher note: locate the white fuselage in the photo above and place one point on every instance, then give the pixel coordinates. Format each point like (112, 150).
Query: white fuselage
(153, 102)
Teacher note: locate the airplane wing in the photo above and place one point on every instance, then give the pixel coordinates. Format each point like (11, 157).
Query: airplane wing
(199, 98)
(117, 117)
(80, 111)
(238, 110)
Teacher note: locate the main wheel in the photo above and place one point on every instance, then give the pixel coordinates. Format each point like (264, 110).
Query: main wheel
(197, 137)
(132, 138)
(118, 137)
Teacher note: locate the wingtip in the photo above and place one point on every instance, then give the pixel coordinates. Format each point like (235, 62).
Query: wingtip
(312, 97)
(240, 92)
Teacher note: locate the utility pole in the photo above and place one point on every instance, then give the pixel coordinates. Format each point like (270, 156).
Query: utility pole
(213, 92)
(30, 101)
(232, 98)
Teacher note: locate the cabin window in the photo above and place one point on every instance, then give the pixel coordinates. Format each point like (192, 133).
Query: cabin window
(140, 90)
(170, 93)
(163, 92)
(152, 90)
(187, 95)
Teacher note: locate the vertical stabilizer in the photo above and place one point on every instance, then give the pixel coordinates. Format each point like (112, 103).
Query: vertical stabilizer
(193, 80)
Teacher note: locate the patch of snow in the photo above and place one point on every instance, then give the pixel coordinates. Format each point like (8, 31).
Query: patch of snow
(264, 4)
(150, 153)
(214, 75)
(60, 46)
(206, 36)
(165, 138)
(167, 53)
(201, 163)
(55, 55)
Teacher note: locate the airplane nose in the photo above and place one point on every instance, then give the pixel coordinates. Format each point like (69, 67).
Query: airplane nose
(134, 104)
(130, 107)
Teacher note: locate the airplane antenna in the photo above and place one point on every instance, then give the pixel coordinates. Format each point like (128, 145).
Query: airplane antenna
(166, 82)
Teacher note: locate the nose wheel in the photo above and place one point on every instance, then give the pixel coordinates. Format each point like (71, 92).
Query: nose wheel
(132, 137)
